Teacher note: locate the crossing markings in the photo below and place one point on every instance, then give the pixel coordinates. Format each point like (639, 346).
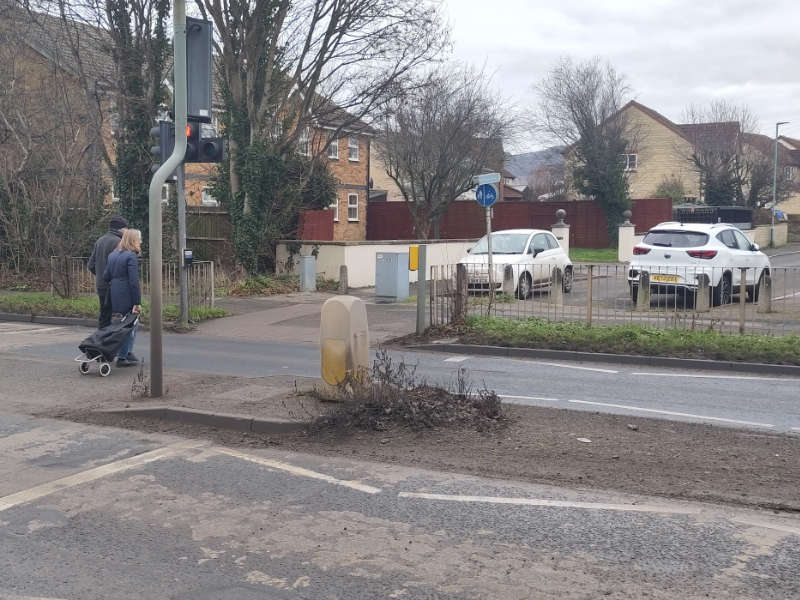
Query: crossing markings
(40, 491)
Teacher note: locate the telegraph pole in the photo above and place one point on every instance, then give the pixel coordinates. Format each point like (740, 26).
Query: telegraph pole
(160, 177)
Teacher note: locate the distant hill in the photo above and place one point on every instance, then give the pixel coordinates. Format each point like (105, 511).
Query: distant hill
(522, 165)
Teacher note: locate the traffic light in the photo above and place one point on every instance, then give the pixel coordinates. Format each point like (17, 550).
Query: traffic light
(164, 135)
(201, 149)
(192, 142)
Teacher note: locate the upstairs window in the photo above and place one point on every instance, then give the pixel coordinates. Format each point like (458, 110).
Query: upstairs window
(352, 207)
(790, 172)
(335, 207)
(333, 150)
(352, 148)
(303, 143)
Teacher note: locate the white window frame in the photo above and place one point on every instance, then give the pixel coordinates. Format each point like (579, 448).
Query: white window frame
(206, 194)
(631, 158)
(352, 148)
(304, 140)
(114, 194)
(350, 205)
(789, 172)
(335, 207)
(333, 145)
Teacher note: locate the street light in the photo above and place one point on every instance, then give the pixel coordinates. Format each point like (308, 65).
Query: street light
(775, 186)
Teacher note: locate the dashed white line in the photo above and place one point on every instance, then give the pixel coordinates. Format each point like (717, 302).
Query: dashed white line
(40, 491)
(300, 471)
(787, 296)
(672, 413)
(563, 366)
(795, 428)
(771, 379)
(456, 359)
(553, 503)
(503, 396)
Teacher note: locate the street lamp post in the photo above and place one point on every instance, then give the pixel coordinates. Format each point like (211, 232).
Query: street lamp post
(774, 186)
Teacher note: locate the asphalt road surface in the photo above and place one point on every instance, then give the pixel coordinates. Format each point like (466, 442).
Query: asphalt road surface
(94, 513)
(731, 399)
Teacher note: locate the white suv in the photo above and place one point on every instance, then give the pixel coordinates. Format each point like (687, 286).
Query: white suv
(675, 254)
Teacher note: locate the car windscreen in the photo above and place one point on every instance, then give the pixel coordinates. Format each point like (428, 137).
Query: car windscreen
(676, 239)
(502, 243)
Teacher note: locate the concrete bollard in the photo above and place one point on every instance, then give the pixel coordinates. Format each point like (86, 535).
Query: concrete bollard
(643, 298)
(343, 288)
(557, 287)
(508, 280)
(765, 293)
(702, 302)
(344, 339)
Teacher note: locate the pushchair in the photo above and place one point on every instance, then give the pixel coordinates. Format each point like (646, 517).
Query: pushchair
(102, 346)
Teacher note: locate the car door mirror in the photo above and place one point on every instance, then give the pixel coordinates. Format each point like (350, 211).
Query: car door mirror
(755, 247)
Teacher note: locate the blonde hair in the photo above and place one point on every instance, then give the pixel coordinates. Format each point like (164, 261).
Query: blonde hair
(131, 240)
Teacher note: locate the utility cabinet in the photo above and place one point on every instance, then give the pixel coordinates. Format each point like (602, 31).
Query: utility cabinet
(391, 276)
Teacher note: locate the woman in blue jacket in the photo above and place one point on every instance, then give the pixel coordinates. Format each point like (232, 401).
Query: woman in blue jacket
(122, 272)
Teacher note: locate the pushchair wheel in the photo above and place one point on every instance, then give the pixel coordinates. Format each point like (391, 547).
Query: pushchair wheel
(84, 368)
(105, 369)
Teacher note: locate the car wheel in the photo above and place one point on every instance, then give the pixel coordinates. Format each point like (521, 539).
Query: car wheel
(722, 293)
(566, 282)
(635, 293)
(524, 286)
(753, 290)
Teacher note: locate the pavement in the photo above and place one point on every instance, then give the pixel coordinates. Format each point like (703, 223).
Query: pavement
(89, 513)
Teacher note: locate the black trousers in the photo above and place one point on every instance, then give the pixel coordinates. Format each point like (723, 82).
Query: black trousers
(105, 307)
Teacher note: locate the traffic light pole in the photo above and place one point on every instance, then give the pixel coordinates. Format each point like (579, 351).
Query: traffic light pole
(155, 221)
(183, 317)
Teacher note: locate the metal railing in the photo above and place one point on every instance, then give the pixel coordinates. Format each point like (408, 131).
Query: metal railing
(742, 299)
(70, 277)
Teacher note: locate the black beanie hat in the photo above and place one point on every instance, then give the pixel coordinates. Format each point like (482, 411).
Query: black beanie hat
(117, 222)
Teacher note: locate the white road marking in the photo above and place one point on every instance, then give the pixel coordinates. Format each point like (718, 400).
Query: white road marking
(795, 428)
(40, 491)
(13, 597)
(671, 413)
(787, 296)
(503, 396)
(685, 510)
(771, 379)
(300, 471)
(563, 366)
(456, 359)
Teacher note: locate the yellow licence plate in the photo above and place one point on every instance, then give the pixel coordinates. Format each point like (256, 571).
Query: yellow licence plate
(665, 278)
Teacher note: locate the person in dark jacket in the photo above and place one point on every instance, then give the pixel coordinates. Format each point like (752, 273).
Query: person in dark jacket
(104, 246)
(122, 276)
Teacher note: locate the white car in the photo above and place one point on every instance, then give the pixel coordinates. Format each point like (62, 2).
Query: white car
(675, 254)
(530, 254)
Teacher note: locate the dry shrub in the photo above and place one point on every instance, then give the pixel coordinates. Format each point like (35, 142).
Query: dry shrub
(393, 394)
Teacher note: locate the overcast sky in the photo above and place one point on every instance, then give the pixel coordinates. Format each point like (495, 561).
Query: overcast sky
(673, 52)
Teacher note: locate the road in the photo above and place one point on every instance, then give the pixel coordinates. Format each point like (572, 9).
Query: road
(737, 400)
(93, 513)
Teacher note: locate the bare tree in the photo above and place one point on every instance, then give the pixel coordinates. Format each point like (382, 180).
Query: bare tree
(579, 105)
(439, 134)
(289, 64)
(546, 182)
(46, 158)
(715, 134)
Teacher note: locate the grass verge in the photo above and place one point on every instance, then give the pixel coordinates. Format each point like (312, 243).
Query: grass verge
(44, 304)
(632, 339)
(593, 255)
(272, 285)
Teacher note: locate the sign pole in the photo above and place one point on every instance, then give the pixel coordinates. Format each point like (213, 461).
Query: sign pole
(183, 317)
(489, 250)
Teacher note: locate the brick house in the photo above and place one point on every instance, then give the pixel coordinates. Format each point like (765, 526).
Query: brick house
(662, 149)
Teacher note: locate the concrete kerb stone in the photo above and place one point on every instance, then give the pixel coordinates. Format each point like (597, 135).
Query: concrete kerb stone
(211, 419)
(652, 361)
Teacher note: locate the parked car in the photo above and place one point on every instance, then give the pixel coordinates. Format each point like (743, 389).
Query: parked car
(530, 254)
(675, 254)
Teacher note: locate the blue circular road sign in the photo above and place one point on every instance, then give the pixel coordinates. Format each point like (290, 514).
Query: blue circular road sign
(486, 195)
